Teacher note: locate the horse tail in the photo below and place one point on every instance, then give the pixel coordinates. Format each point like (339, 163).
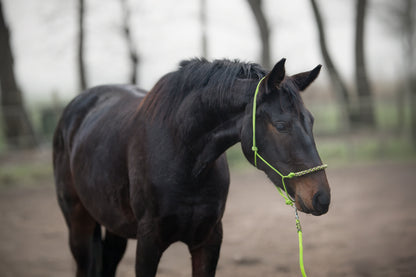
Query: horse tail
(58, 144)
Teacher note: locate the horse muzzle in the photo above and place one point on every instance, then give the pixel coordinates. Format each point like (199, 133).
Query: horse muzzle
(312, 194)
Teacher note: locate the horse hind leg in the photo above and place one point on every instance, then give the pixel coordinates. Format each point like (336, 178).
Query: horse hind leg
(113, 250)
(95, 257)
(84, 232)
(85, 243)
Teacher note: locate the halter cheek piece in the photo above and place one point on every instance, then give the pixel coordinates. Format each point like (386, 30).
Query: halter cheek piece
(285, 195)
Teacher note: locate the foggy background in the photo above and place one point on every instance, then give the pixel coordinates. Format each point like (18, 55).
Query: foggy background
(147, 39)
(364, 104)
(44, 35)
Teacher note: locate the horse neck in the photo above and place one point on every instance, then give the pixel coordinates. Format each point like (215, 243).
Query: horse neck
(208, 109)
(212, 123)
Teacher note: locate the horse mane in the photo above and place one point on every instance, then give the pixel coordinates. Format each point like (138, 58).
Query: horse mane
(197, 76)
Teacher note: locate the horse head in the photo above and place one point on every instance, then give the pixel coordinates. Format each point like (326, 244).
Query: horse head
(284, 137)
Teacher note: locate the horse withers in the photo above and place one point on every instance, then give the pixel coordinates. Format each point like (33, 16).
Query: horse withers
(151, 166)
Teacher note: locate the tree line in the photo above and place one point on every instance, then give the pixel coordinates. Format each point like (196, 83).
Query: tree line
(18, 130)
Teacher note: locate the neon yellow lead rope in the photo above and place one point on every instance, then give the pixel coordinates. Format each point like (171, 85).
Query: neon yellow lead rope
(285, 195)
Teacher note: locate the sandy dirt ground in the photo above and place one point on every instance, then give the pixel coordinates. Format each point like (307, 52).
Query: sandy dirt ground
(370, 229)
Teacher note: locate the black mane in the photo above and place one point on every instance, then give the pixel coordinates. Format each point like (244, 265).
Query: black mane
(219, 74)
(197, 76)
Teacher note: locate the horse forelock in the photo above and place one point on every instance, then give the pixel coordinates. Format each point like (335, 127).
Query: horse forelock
(290, 97)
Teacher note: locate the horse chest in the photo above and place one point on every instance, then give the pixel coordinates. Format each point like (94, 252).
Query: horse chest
(189, 223)
(188, 213)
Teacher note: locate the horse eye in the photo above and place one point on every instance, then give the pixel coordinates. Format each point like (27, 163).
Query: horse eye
(281, 126)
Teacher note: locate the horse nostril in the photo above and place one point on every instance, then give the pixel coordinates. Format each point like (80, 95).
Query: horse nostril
(321, 202)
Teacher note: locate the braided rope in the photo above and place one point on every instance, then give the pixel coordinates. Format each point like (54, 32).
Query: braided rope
(310, 170)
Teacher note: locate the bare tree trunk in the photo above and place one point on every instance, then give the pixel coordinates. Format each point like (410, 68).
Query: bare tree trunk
(81, 63)
(412, 85)
(337, 83)
(409, 23)
(365, 97)
(134, 57)
(203, 20)
(18, 130)
(261, 20)
(401, 104)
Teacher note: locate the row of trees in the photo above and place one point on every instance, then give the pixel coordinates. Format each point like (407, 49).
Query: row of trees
(353, 115)
(357, 106)
(401, 21)
(126, 31)
(16, 125)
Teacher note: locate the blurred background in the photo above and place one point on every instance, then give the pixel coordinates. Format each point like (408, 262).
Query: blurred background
(52, 50)
(364, 101)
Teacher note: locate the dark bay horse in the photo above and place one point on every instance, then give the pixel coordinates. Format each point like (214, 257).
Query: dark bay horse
(151, 166)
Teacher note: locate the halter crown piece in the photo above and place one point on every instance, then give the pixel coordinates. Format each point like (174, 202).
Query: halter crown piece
(285, 195)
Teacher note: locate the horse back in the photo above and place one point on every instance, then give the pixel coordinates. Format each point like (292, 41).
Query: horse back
(95, 99)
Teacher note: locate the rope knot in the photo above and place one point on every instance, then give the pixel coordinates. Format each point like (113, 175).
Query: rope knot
(254, 148)
(291, 175)
(298, 226)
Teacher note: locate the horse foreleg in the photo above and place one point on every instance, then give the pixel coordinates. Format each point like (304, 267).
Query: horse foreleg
(205, 257)
(113, 250)
(148, 254)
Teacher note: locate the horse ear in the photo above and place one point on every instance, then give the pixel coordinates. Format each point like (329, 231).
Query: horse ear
(276, 76)
(304, 79)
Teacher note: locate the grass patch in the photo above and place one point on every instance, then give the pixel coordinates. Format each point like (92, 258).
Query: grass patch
(335, 152)
(336, 147)
(342, 151)
(366, 149)
(327, 119)
(26, 174)
(236, 158)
